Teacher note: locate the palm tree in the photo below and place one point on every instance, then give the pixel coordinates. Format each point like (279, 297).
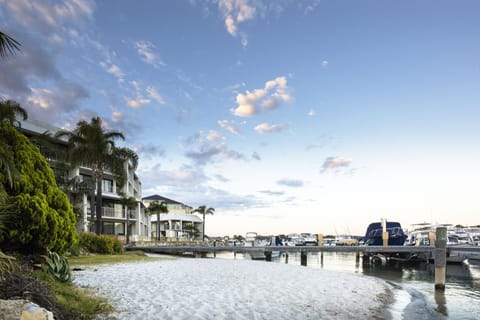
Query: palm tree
(191, 230)
(8, 45)
(9, 110)
(127, 203)
(94, 147)
(203, 210)
(157, 207)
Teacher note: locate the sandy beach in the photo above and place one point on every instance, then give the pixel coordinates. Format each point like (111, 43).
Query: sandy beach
(234, 289)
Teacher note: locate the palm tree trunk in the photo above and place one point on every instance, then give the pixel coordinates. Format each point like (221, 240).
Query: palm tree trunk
(126, 227)
(158, 226)
(98, 207)
(203, 233)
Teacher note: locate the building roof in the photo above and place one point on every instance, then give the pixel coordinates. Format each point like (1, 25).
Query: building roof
(178, 217)
(156, 197)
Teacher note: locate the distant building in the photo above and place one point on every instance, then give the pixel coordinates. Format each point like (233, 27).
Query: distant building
(77, 183)
(178, 223)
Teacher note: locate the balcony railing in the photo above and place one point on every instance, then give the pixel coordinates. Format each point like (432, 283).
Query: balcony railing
(108, 212)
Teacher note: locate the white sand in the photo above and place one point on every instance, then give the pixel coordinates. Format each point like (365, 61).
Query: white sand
(234, 289)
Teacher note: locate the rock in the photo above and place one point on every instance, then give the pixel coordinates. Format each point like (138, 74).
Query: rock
(23, 310)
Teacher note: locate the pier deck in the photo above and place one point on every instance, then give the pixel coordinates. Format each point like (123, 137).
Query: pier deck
(305, 249)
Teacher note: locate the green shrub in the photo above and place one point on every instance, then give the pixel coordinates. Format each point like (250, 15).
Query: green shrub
(44, 217)
(104, 244)
(58, 267)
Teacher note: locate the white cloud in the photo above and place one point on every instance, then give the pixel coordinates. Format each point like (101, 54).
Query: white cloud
(136, 103)
(117, 116)
(324, 63)
(229, 126)
(153, 93)
(335, 163)
(311, 7)
(113, 69)
(236, 12)
(312, 113)
(269, 128)
(40, 97)
(145, 50)
(230, 25)
(274, 93)
(140, 99)
(294, 183)
(213, 136)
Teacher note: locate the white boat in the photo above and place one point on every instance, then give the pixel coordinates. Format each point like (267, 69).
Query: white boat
(252, 240)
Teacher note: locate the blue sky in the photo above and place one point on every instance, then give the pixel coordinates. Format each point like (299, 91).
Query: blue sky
(285, 116)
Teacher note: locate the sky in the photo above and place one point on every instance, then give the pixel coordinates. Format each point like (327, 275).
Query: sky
(285, 116)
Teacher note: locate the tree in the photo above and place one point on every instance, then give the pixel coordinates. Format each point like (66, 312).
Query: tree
(9, 110)
(94, 147)
(127, 203)
(8, 45)
(157, 207)
(44, 218)
(203, 210)
(191, 230)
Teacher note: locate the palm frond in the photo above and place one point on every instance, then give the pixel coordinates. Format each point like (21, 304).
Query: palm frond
(8, 45)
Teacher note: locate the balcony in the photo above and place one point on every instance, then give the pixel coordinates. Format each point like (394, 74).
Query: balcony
(115, 213)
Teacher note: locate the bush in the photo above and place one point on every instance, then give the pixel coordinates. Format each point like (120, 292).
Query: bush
(58, 267)
(44, 218)
(103, 244)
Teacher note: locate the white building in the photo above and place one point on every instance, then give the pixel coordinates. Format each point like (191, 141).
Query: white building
(82, 191)
(178, 223)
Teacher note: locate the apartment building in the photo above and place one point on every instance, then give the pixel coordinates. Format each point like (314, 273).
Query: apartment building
(79, 186)
(178, 223)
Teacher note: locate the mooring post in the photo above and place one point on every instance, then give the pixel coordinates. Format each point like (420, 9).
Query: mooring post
(440, 258)
(320, 244)
(268, 255)
(286, 257)
(384, 233)
(303, 258)
(214, 251)
(431, 238)
(357, 259)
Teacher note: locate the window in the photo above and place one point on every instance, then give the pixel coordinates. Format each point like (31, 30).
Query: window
(107, 185)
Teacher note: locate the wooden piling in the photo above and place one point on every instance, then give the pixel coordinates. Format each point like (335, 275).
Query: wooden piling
(384, 233)
(303, 258)
(431, 238)
(320, 240)
(268, 256)
(440, 258)
(286, 257)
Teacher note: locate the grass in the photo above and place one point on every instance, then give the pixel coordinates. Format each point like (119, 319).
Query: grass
(82, 303)
(93, 259)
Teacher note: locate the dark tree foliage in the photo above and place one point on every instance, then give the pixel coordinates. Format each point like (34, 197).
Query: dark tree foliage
(43, 216)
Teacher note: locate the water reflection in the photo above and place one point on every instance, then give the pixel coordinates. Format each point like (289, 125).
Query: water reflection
(441, 302)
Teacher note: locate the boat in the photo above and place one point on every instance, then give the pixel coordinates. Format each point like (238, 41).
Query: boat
(373, 235)
(253, 240)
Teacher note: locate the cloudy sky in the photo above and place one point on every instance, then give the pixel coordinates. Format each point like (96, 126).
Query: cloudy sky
(285, 116)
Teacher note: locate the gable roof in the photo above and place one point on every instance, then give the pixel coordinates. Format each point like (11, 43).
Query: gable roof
(157, 197)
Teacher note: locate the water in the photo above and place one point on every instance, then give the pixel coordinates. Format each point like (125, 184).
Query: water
(413, 286)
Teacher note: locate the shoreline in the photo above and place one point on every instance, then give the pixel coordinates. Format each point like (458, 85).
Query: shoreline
(240, 289)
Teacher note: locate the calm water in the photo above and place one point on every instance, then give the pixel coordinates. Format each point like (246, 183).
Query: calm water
(415, 297)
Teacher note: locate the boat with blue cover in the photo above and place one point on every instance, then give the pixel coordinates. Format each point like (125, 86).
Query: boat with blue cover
(373, 235)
